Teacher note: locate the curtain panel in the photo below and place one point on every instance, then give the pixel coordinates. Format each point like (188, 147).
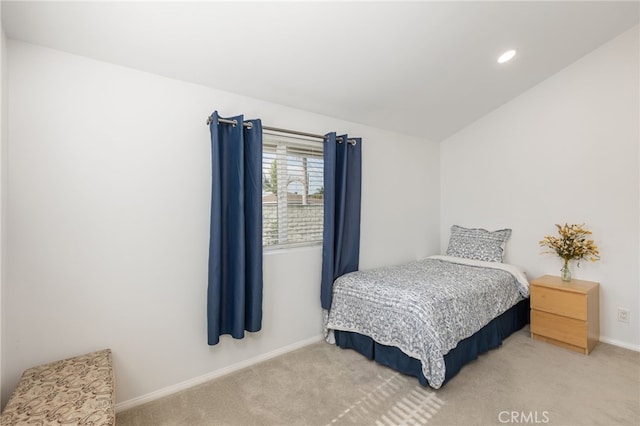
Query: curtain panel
(342, 194)
(234, 292)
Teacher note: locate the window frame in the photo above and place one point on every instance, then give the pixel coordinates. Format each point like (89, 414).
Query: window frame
(300, 147)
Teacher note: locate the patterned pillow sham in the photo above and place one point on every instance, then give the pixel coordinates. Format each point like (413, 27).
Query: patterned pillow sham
(478, 244)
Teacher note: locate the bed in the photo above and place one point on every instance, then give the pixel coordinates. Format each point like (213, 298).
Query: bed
(430, 317)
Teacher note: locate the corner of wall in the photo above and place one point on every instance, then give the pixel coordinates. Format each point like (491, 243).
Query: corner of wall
(3, 192)
(3, 127)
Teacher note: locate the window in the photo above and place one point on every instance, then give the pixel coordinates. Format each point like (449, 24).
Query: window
(292, 190)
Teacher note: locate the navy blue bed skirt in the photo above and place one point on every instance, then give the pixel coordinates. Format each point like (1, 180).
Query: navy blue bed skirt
(488, 337)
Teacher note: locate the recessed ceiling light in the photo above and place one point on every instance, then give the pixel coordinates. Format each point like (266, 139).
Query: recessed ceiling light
(506, 56)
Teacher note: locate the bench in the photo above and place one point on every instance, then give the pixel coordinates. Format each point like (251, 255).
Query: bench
(74, 391)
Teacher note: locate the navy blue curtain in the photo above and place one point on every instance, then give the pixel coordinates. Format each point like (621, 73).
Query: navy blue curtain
(342, 190)
(234, 293)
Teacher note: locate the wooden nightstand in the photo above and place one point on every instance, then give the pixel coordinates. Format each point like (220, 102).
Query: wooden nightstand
(566, 314)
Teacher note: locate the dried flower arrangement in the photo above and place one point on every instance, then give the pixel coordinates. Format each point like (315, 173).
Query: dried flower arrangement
(572, 244)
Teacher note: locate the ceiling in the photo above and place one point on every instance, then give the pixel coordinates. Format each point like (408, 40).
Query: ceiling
(421, 68)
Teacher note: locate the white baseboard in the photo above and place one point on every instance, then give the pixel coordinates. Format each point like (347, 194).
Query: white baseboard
(620, 343)
(152, 396)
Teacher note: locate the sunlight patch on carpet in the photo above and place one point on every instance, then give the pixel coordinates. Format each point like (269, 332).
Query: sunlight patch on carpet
(397, 400)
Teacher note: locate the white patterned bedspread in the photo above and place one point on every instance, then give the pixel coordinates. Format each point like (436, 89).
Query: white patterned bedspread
(426, 307)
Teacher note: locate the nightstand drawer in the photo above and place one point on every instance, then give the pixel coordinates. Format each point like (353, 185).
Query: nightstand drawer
(565, 303)
(560, 328)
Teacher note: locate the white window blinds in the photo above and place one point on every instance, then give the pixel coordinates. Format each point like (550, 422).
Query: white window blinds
(292, 190)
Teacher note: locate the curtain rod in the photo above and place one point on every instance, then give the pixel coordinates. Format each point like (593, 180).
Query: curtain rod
(276, 129)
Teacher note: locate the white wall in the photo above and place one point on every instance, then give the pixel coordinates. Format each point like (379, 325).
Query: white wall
(564, 151)
(108, 204)
(3, 171)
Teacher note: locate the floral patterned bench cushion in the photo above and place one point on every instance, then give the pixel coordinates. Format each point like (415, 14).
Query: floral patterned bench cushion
(74, 391)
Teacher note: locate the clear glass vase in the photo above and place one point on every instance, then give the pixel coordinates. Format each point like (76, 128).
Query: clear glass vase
(565, 272)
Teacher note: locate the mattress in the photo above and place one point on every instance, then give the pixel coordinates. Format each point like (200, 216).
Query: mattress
(425, 308)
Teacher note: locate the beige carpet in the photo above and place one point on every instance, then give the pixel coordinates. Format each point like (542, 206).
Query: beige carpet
(522, 382)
